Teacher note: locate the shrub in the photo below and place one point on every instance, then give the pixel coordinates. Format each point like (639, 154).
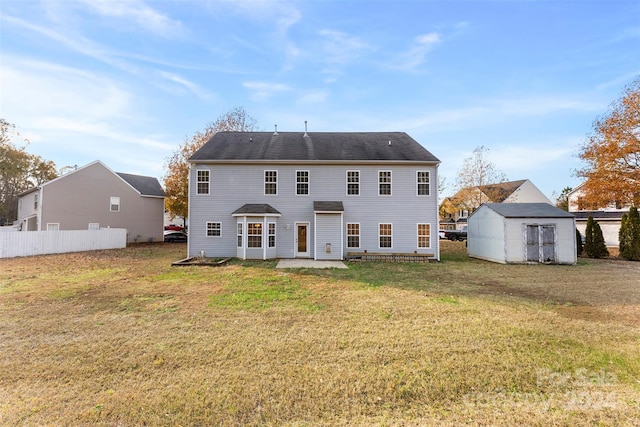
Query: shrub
(629, 235)
(578, 243)
(594, 245)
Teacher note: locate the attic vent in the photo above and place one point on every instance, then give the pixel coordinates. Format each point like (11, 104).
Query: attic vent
(276, 132)
(306, 135)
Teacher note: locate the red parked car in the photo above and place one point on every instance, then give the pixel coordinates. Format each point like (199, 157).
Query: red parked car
(174, 227)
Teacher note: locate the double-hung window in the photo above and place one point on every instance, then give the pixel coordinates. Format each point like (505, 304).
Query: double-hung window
(239, 232)
(424, 235)
(384, 183)
(272, 234)
(384, 235)
(353, 183)
(270, 182)
(422, 179)
(353, 235)
(254, 235)
(302, 183)
(114, 204)
(202, 186)
(214, 229)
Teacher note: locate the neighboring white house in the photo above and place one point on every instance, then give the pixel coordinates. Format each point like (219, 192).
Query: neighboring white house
(609, 218)
(94, 197)
(522, 233)
(465, 201)
(320, 195)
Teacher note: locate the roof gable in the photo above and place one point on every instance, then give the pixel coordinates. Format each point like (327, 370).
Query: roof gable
(313, 146)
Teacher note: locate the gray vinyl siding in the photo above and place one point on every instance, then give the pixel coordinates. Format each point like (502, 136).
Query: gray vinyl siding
(328, 231)
(233, 185)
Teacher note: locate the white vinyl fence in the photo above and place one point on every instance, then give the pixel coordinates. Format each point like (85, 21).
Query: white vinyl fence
(27, 243)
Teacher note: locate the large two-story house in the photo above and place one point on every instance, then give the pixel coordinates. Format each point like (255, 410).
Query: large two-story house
(319, 195)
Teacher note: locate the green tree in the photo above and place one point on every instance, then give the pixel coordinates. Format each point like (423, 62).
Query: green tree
(629, 235)
(562, 200)
(19, 171)
(579, 246)
(594, 245)
(176, 179)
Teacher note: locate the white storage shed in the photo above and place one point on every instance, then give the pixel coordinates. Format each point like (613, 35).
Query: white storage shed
(520, 233)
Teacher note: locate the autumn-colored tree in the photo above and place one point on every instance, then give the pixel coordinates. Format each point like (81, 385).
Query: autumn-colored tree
(474, 181)
(19, 171)
(612, 154)
(176, 179)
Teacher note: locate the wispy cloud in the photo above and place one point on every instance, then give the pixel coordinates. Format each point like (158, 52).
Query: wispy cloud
(416, 55)
(262, 91)
(190, 86)
(139, 13)
(342, 48)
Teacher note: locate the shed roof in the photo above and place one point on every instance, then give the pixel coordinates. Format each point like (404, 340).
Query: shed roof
(255, 209)
(313, 146)
(526, 210)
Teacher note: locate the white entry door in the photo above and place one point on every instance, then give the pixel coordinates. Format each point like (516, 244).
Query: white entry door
(302, 240)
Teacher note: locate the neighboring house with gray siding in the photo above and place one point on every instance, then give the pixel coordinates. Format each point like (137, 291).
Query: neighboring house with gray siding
(319, 195)
(94, 197)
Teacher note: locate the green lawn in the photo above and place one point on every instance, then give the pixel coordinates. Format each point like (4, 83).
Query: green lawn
(123, 338)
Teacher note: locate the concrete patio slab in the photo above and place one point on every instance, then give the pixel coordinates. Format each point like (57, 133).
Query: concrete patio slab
(309, 263)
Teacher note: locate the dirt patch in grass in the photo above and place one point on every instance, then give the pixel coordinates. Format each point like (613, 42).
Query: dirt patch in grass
(122, 338)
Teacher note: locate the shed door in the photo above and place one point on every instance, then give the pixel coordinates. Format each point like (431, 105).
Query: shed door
(541, 243)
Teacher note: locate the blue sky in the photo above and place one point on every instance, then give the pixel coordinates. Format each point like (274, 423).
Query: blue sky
(126, 81)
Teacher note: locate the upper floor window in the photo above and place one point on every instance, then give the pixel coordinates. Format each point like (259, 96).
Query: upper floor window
(35, 201)
(424, 235)
(203, 182)
(302, 183)
(384, 183)
(270, 182)
(353, 235)
(384, 235)
(423, 183)
(114, 204)
(353, 183)
(214, 229)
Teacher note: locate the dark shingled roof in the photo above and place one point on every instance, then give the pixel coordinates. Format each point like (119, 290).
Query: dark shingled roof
(323, 146)
(328, 207)
(146, 185)
(527, 210)
(499, 192)
(255, 208)
(599, 215)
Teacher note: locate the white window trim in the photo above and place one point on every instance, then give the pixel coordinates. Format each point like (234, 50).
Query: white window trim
(390, 183)
(275, 232)
(418, 235)
(359, 235)
(94, 226)
(380, 235)
(112, 204)
(206, 229)
(262, 245)
(208, 181)
(264, 182)
(53, 226)
(427, 183)
(359, 183)
(240, 234)
(308, 183)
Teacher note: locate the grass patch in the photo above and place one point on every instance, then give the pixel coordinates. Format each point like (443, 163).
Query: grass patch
(450, 343)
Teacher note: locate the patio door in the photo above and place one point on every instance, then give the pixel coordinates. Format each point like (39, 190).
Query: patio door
(541, 243)
(302, 240)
